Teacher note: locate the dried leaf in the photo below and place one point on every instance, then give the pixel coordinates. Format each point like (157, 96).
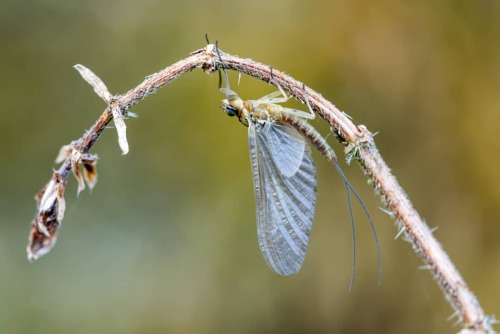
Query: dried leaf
(51, 207)
(39, 196)
(96, 83)
(40, 244)
(121, 128)
(64, 153)
(77, 171)
(43, 229)
(49, 196)
(61, 203)
(90, 173)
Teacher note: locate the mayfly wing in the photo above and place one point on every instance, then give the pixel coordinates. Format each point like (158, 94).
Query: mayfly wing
(285, 203)
(287, 147)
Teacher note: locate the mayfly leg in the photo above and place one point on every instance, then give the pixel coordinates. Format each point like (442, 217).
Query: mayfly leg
(307, 101)
(270, 102)
(273, 97)
(225, 90)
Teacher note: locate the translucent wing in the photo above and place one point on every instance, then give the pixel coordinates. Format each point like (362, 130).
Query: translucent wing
(286, 145)
(285, 203)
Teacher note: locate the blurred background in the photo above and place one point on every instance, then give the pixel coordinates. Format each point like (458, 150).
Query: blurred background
(166, 242)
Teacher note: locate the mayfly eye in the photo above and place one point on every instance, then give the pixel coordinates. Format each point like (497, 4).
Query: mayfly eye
(231, 110)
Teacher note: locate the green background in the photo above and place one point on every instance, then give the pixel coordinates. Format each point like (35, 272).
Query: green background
(166, 242)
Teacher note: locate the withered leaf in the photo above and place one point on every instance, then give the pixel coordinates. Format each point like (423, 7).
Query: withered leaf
(96, 82)
(90, 173)
(64, 153)
(77, 172)
(51, 207)
(121, 128)
(39, 243)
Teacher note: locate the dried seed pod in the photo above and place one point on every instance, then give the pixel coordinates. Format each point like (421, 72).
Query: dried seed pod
(51, 207)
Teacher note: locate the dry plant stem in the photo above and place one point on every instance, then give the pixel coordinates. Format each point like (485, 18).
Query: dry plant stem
(461, 298)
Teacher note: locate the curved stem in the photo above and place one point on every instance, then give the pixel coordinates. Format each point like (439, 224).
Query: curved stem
(416, 231)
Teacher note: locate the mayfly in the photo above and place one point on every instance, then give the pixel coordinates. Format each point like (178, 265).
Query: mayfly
(284, 176)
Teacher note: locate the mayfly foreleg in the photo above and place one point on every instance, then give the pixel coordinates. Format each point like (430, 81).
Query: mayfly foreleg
(307, 101)
(273, 97)
(226, 90)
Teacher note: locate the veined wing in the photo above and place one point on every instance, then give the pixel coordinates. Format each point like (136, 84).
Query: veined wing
(286, 145)
(285, 201)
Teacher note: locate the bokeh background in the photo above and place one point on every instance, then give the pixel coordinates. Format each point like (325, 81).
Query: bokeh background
(166, 242)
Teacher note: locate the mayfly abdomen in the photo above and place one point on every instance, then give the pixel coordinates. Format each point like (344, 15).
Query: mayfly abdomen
(308, 131)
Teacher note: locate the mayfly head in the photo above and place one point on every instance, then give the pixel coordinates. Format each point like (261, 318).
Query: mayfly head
(235, 107)
(229, 109)
(232, 104)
